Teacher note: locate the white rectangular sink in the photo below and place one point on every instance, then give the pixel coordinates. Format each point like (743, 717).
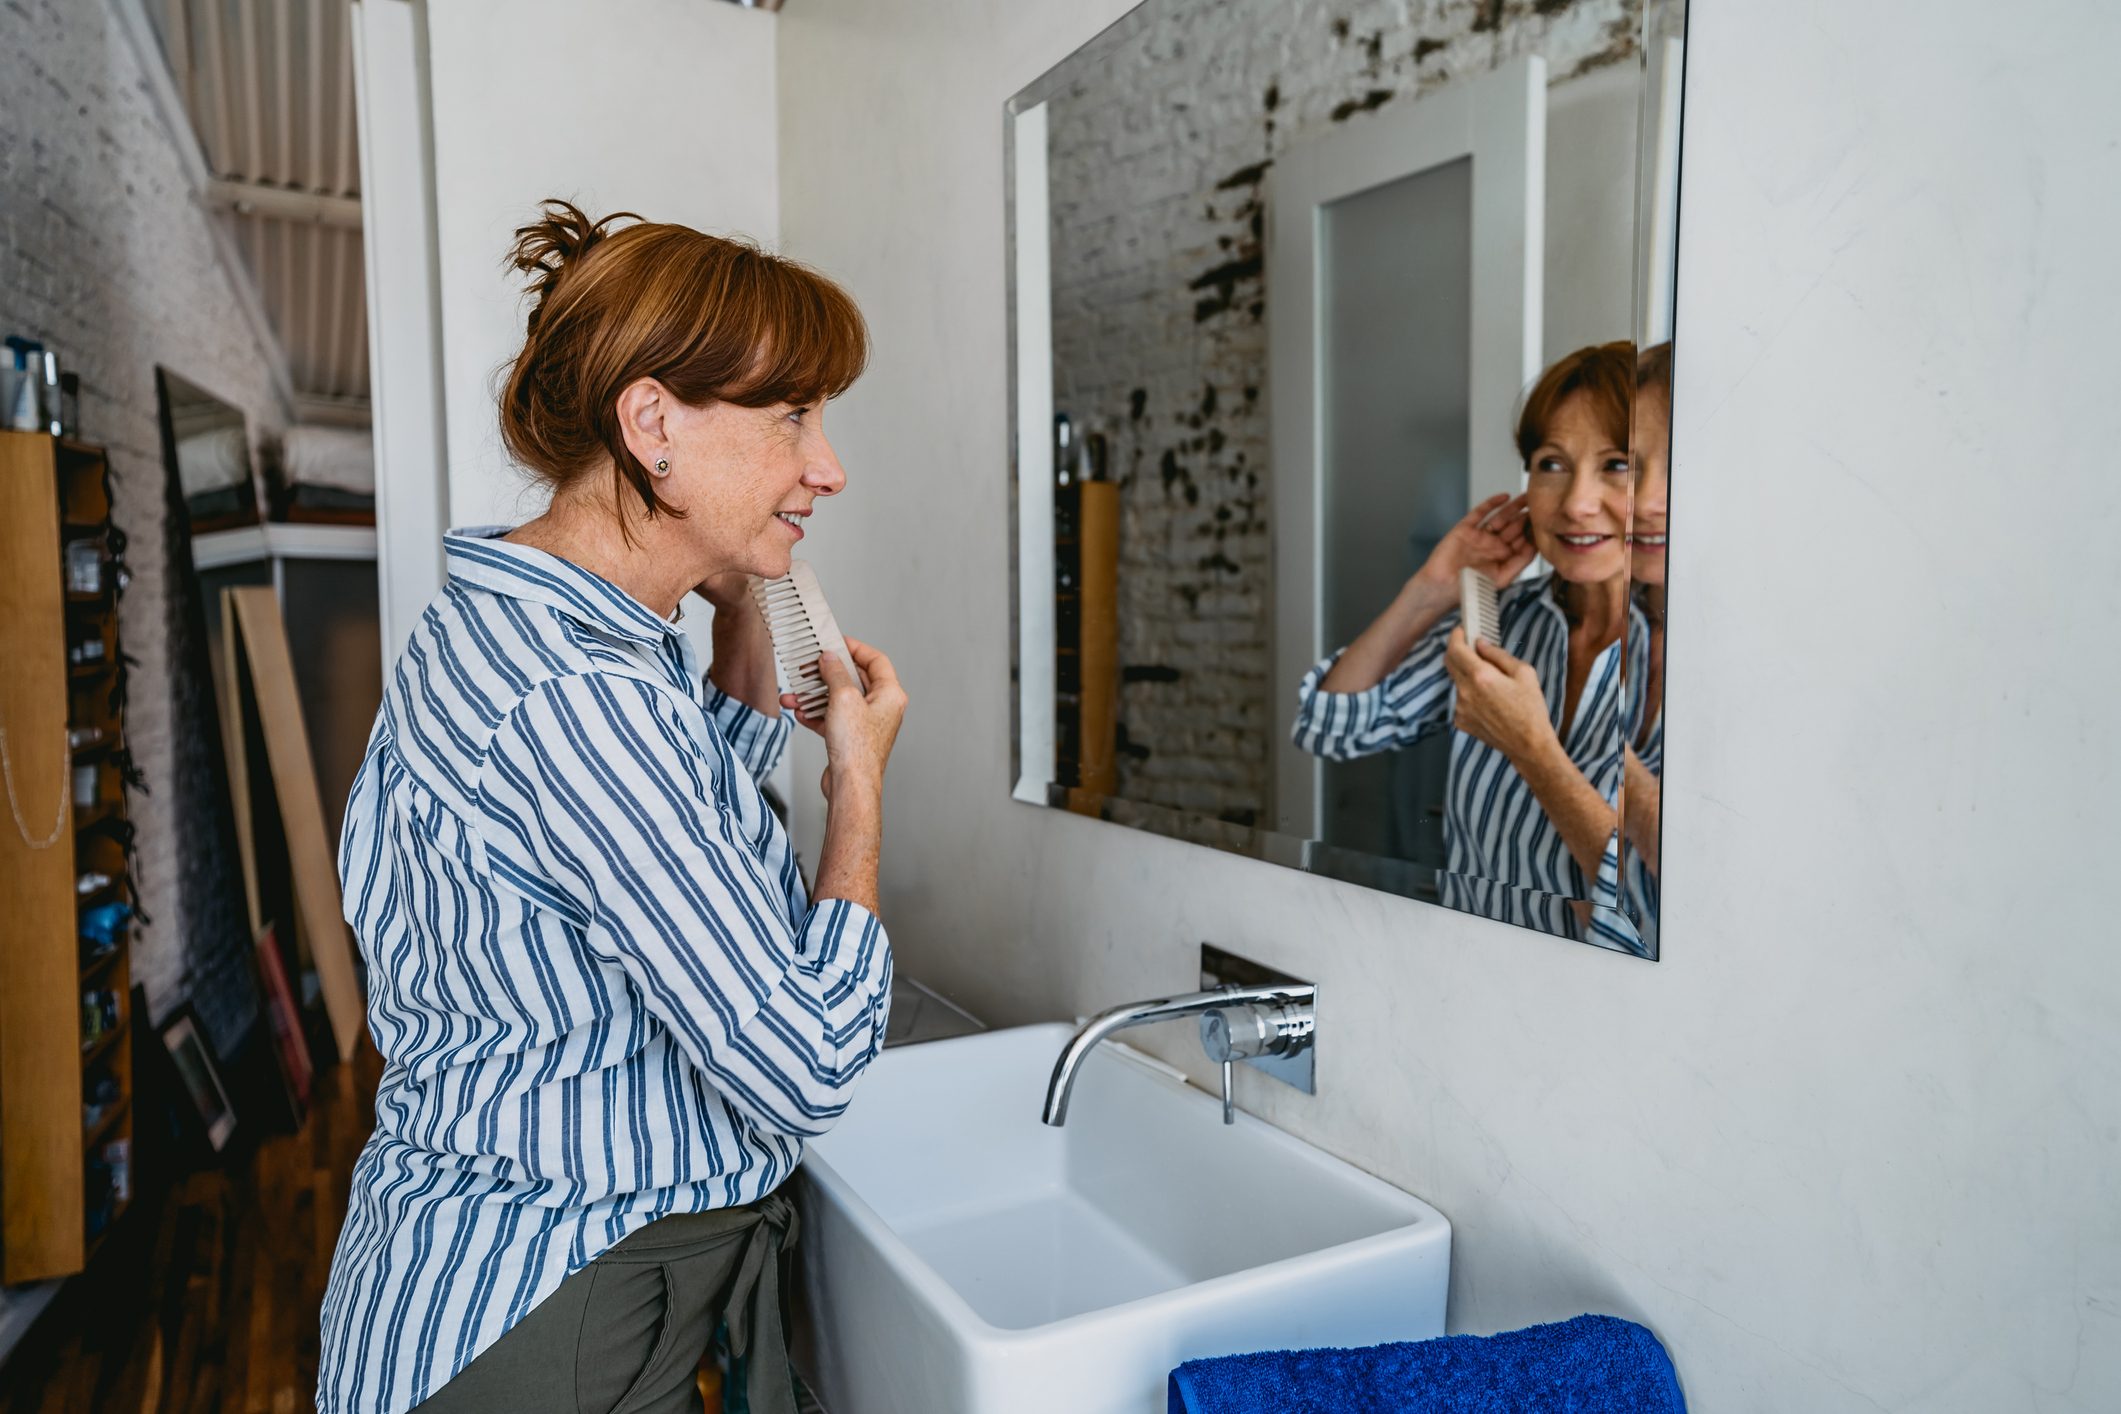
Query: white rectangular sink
(960, 1257)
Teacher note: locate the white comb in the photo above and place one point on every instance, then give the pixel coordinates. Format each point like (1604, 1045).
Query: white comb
(803, 632)
(1480, 607)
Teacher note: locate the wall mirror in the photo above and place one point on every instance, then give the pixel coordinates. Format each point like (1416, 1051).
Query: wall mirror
(1340, 394)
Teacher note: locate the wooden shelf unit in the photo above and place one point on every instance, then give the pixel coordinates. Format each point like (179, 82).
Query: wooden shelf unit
(54, 490)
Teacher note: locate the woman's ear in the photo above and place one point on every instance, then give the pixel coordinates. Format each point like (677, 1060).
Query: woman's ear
(643, 404)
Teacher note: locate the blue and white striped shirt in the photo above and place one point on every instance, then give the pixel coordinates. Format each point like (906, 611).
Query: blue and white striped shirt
(1503, 857)
(601, 993)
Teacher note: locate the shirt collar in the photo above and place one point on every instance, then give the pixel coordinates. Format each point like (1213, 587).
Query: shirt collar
(477, 555)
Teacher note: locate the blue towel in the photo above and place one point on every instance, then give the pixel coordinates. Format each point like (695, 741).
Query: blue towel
(1591, 1365)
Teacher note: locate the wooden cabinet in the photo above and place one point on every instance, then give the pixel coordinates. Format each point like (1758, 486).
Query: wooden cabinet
(65, 1028)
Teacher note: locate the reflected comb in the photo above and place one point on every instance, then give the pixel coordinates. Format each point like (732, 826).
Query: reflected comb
(803, 632)
(1480, 606)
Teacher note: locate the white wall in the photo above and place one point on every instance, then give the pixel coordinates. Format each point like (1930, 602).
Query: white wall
(665, 107)
(1853, 1144)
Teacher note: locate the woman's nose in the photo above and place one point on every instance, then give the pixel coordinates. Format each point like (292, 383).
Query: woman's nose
(824, 474)
(1586, 498)
(1650, 490)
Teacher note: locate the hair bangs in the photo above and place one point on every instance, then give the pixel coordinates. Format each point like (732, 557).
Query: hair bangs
(809, 342)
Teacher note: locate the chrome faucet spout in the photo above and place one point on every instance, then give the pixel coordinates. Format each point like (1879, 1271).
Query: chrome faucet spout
(1106, 1024)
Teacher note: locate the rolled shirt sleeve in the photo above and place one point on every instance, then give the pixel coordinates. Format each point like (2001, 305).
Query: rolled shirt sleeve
(1412, 700)
(602, 790)
(756, 738)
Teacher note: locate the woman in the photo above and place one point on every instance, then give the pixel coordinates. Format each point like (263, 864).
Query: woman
(1535, 768)
(608, 1013)
(1647, 536)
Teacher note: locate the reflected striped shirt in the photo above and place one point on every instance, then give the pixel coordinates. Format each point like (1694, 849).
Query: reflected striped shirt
(600, 990)
(1503, 857)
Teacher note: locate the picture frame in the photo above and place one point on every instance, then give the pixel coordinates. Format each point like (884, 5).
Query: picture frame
(193, 1059)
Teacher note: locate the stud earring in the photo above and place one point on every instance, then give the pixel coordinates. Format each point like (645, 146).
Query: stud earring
(662, 466)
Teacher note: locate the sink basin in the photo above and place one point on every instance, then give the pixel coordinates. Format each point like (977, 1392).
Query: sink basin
(960, 1257)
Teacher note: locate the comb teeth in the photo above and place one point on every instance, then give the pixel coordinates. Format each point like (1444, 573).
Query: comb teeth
(803, 632)
(1480, 606)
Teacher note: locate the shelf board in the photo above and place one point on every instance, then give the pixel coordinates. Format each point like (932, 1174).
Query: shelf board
(106, 1122)
(100, 1238)
(92, 970)
(103, 1044)
(78, 671)
(278, 540)
(102, 895)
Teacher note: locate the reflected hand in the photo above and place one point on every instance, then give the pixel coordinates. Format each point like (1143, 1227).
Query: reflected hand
(1494, 538)
(1500, 699)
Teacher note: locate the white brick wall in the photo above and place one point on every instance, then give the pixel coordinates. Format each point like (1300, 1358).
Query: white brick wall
(104, 257)
(1159, 337)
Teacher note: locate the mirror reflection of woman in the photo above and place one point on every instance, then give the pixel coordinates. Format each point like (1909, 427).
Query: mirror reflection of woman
(1536, 763)
(1647, 540)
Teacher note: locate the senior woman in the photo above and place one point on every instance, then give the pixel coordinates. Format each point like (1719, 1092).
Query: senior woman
(1535, 765)
(608, 1012)
(1647, 536)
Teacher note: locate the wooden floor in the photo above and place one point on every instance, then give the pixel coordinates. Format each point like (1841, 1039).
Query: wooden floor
(206, 1300)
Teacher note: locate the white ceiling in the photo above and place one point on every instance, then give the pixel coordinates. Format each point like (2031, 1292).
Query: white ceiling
(268, 86)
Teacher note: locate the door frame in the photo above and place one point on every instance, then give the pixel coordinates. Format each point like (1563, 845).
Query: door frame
(1499, 121)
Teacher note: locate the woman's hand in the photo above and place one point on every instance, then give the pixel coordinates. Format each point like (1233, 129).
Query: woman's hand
(859, 727)
(1494, 538)
(1500, 699)
(727, 591)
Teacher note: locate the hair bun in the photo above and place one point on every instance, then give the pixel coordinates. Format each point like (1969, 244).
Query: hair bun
(547, 249)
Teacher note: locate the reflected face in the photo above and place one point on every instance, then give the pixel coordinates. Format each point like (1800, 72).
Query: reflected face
(1576, 495)
(1652, 435)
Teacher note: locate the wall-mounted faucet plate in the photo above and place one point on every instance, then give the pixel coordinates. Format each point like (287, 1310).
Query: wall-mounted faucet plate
(1226, 969)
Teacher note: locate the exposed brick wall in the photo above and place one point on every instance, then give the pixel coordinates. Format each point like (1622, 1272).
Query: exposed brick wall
(104, 257)
(1159, 308)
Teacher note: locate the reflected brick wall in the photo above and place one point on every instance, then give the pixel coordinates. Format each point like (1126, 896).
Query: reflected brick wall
(1159, 309)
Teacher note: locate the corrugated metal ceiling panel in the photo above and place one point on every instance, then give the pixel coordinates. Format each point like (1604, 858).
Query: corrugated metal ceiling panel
(269, 88)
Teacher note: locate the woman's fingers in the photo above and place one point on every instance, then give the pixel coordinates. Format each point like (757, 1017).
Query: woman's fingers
(1458, 659)
(874, 665)
(834, 673)
(1498, 511)
(1478, 516)
(1491, 654)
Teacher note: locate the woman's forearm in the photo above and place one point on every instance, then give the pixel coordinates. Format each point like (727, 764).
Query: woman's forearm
(1390, 637)
(854, 833)
(1645, 810)
(743, 657)
(1585, 818)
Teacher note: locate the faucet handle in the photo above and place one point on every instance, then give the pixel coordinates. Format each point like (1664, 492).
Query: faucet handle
(1245, 1030)
(1236, 1032)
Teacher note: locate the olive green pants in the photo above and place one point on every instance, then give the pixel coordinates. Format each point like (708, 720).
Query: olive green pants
(625, 1334)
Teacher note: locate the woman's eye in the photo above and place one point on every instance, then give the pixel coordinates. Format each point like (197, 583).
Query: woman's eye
(1548, 464)
(1619, 466)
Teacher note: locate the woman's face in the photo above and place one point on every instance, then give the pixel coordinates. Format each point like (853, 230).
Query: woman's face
(746, 478)
(1576, 496)
(1652, 435)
